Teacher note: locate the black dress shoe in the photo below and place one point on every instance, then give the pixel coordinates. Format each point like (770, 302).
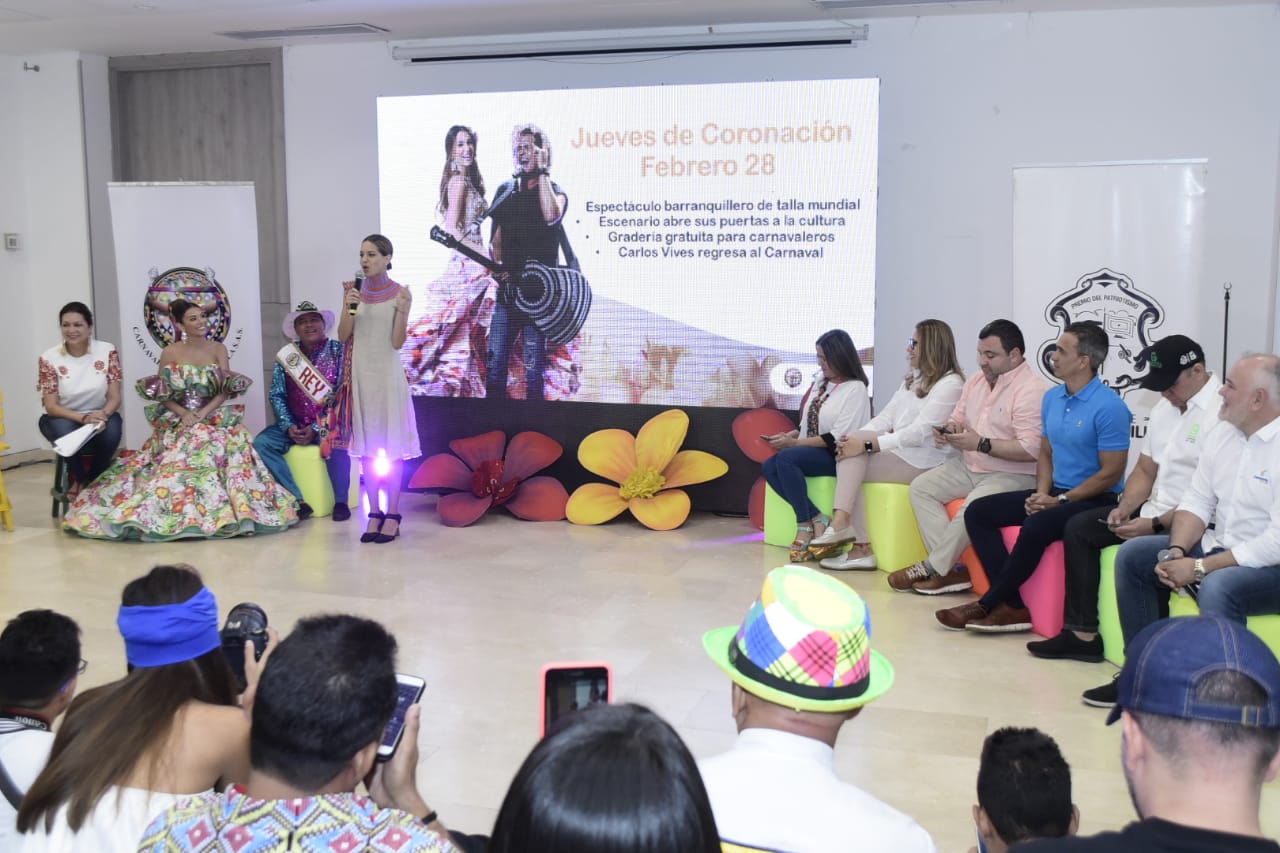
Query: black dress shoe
(305, 511)
(1067, 646)
(341, 512)
(374, 531)
(384, 538)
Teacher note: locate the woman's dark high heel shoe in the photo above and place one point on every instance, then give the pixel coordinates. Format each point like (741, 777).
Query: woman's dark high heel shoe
(384, 538)
(372, 534)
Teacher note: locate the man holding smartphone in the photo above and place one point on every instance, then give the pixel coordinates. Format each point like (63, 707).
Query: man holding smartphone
(322, 704)
(1179, 422)
(1235, 566)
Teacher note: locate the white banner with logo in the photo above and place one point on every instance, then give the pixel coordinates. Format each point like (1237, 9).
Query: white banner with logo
(197, 241)
(1117, 243)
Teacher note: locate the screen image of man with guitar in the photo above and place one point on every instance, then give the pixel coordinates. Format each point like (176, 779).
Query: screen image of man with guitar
(526, 214)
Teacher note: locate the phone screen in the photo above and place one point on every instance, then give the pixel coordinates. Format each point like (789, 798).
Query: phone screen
(569, 688)
(408, 691)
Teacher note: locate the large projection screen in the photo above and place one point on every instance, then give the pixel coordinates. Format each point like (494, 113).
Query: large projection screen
(722, 228)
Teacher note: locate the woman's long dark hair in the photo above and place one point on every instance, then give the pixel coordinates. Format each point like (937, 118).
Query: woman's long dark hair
(613, 779)
(473, 172)
(110, 728)
(842, 355)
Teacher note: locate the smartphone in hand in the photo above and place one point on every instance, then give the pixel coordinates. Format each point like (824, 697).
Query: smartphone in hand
(409, 690)
(570, 686)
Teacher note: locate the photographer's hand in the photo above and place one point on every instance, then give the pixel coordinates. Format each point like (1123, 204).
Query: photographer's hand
(253, 669)
(393, 784)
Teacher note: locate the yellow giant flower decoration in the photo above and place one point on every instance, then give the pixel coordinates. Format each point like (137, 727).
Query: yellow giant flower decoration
(649, 470)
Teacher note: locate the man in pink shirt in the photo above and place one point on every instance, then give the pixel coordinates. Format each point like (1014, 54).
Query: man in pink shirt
(997, 427)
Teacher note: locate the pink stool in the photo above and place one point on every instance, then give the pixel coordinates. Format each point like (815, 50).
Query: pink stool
(1045, 592)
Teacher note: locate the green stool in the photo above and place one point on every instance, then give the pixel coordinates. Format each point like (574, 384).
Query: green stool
(312, 476)
(780, 519)
(1108, 612)
(891, 524)
(1266, 627)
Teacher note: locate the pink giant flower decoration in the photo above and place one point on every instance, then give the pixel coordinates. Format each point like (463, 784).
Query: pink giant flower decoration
(482, 477)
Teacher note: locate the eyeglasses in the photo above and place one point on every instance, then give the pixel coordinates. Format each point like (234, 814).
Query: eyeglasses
(82, 666)
(912, 343)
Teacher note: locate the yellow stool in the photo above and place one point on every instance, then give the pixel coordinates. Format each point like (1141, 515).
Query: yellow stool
(1108, 611)
(6, 509)
(780, 518)
(891, 524)
(312, 476)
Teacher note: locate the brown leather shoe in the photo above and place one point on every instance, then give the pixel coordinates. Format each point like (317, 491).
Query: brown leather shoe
(956, 580)
(1003, 620)
(904, 579)
(958, 618)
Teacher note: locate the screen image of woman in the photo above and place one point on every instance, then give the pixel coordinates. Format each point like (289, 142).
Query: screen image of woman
(197, 476)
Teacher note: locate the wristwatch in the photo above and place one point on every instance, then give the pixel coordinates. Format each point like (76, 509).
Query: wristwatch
(984, 446)
(1197, 570)
(1062, 498)
(1157, 526)
(869, 446)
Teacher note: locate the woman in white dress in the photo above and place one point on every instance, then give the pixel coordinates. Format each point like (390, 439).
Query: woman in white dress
(383, 431)
(897, 445)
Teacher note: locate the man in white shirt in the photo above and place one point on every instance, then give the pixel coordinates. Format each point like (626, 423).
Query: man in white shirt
(39, 665)
(801, 666)
(1179, 422)
(1234, 568)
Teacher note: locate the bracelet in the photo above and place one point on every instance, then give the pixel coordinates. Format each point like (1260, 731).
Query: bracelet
(431, 817)
(1180, 548)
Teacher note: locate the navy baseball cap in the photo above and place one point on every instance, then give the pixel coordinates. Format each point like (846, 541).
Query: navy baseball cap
(1165, 663)
(1166, 359)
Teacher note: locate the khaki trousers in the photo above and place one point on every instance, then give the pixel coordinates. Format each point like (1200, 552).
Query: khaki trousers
(946, 538)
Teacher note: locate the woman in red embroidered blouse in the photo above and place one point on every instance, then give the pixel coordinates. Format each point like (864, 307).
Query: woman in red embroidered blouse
(79, 383)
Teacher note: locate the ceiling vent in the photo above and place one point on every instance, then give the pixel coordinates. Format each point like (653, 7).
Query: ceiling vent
(328, 30)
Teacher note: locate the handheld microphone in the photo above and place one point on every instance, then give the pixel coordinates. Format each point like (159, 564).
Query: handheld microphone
(359, 284)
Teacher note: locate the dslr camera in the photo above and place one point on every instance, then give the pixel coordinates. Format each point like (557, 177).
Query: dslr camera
(246, 623)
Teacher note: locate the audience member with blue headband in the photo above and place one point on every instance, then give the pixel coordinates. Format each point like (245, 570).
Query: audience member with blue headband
(129, 749)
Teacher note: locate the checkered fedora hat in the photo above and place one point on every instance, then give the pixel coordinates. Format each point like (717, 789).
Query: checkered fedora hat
(804, 644)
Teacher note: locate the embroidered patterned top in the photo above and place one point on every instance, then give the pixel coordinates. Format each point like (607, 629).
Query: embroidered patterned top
(234, 822)
(290, 403)
(80, 381)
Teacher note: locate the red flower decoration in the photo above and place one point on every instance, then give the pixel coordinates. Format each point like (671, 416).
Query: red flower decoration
(482, 477)
(747, 429)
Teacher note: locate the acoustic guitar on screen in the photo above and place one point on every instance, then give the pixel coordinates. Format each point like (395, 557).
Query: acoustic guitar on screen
(555, 299)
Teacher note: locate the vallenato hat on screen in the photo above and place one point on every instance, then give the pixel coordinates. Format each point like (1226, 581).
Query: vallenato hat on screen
(1166, 662)
(804, 644)
(303, 308)
(1166, 359)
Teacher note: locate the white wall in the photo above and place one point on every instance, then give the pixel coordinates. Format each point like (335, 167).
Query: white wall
(964, 99)
(42, 197)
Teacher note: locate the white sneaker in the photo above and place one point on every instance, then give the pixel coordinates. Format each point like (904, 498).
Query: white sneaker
(831, 536)
(845, 563)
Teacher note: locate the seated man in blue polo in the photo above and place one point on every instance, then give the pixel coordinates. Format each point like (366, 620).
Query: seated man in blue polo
(306, 374)
(1233, 568)
(801, 666)
(1081, 467)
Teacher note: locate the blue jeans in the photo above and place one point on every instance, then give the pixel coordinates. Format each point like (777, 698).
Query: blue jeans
(786, 470)
(1234, 593)
(503, 329)
(87, 463)
(274, 442)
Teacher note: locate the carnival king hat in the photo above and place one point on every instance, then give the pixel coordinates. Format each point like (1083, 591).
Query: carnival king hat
(804, 644)
(1166, 359)
(306, 307)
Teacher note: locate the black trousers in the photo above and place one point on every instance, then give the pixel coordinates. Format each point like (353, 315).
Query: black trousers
(1082, 542)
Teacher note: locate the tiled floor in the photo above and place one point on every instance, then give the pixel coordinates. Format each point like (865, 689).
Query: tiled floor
(478, 611)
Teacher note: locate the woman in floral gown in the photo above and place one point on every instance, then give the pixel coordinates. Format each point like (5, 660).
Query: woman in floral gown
(198, 476)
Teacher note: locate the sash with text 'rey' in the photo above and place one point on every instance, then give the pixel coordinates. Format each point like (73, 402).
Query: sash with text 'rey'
(304, 373)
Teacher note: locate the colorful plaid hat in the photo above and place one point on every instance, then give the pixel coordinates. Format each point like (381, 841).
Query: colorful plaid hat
(804, 644)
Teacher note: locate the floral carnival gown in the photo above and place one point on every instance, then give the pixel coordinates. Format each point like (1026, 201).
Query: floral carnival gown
(201, 482)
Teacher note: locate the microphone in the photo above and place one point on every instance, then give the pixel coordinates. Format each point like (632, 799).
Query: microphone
(359, 284)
